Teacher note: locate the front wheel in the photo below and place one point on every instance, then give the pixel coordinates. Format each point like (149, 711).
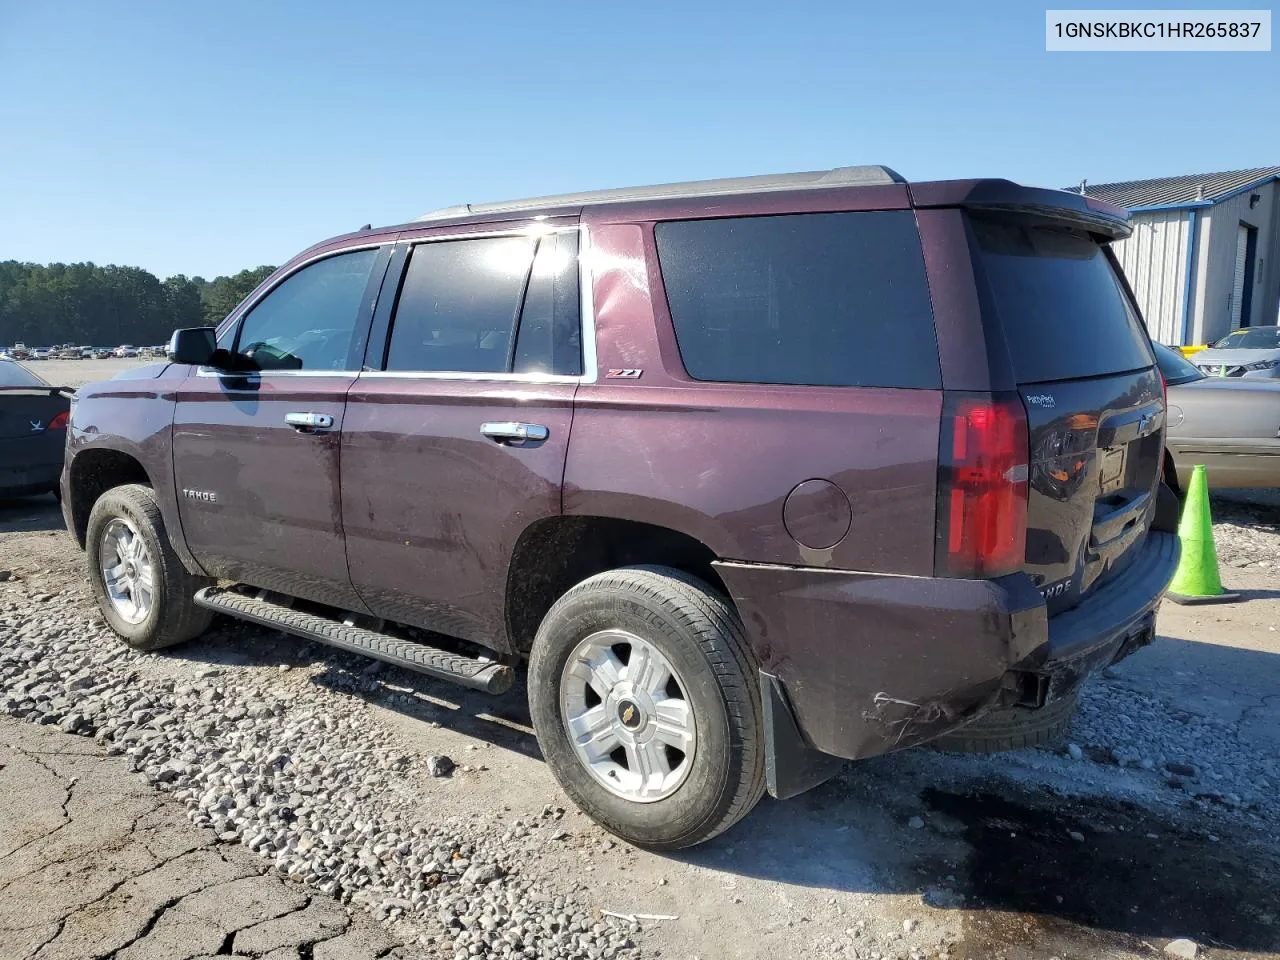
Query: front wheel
(142, 587)
(645, 698)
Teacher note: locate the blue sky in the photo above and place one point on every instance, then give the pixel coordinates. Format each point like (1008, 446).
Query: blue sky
(202, 137)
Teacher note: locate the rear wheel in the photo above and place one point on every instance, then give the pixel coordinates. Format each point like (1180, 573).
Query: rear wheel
(645, 698)
(1012, 729)
(142, 587)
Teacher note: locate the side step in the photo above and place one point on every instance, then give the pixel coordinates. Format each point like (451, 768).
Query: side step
(484, 675)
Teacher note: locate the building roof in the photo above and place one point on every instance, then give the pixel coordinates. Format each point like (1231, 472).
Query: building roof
(1192, 190)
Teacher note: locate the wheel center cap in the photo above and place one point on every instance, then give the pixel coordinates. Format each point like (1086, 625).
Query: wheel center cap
(629, 715)
(129, 569)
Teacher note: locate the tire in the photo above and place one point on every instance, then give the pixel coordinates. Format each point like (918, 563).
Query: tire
(172, 617)
(699, 634)
(1012, 729)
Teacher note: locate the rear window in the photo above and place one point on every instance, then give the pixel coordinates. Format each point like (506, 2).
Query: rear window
(830, 299)
(15, 375)
(1058, 301)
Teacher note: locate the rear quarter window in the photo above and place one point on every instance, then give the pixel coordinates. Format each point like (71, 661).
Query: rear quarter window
(831, 299)
(1058, 301)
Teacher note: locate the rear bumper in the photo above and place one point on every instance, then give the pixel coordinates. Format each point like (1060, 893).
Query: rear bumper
(32, 478)
(854, 665)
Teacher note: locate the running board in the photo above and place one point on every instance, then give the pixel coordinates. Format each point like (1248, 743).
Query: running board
(484, 675)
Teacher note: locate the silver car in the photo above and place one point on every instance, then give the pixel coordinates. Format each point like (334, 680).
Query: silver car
(1253, 352)
(1230, 424)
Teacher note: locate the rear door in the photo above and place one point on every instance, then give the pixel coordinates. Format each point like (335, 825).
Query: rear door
(1092, 393)
(456, 436)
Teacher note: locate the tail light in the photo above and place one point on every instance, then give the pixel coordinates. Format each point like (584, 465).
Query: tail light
(982, 486)
(59, 422)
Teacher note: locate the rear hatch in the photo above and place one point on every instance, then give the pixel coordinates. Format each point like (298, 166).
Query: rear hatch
(1092, 394)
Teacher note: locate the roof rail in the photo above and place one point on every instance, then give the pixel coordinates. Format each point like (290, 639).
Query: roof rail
(867, 175)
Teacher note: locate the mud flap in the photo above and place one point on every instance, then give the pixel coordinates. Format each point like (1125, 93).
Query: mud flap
(791, 765)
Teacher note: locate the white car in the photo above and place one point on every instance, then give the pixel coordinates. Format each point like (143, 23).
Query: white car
(41, 353)
(125, 350)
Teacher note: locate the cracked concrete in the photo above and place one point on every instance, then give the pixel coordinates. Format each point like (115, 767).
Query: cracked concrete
(94, 865)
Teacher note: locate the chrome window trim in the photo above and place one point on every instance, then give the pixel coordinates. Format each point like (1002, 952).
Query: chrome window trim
(470, 375)
(244, 374)
(586, 319)
(587, 311)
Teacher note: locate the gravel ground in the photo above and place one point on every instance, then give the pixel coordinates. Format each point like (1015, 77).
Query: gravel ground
(320, 763)
(322, 795)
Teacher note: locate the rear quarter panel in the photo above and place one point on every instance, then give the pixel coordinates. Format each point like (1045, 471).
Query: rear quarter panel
(717, 461)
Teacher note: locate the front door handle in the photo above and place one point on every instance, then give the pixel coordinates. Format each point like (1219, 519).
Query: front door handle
(305, 422)
(512, 432)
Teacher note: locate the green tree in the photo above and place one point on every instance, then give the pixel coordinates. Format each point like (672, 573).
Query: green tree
(223, 294)
(84, 303)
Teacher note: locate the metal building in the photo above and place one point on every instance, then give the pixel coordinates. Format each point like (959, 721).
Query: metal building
(1204, 257)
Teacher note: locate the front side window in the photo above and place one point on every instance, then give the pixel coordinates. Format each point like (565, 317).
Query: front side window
(830, 299)
(459, 305)
(308, 322)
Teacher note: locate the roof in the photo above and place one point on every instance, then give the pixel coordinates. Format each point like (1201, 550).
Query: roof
(868, 175)
(1192, 190)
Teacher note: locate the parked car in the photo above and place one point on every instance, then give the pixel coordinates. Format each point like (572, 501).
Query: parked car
(41, 353)
(1231, 425)
(126, 350)
(33, 431)
(826, 494)
(1252, 352)
(102, 353)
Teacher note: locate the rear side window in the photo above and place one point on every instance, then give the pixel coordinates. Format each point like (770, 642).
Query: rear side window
(827, 299)
(550, 339)
(15, 375)
(459, 304)
(1058, 301)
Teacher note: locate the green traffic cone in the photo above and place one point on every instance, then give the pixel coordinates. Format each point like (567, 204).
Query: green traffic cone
(1196, 580)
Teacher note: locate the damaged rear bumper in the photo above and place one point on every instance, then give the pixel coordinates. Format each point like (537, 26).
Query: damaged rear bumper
(854, 665)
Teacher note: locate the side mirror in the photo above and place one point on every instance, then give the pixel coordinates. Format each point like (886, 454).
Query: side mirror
(194, 345)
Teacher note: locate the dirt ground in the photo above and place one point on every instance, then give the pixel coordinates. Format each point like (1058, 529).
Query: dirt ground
(1032, 854)
(76, 373)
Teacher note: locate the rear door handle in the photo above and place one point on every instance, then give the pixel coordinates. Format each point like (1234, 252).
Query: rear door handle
(513, 432)
(308, 421)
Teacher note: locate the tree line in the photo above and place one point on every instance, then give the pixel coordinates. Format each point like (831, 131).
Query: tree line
(91, 305)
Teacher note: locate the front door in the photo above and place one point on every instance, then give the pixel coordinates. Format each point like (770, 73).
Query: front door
(456, 443)
(255, 451)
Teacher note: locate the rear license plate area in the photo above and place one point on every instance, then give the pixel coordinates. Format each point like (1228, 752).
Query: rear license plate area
(1111, 463)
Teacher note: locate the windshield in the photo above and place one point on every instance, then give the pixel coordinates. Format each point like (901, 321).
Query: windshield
(1174, 367)
(15, 375)
(1253, 338)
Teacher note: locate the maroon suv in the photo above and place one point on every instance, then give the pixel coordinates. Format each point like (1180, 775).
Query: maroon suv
(756, 474)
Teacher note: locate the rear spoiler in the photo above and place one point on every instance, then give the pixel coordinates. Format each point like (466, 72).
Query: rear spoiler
(67, 392)
(1004, 196)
